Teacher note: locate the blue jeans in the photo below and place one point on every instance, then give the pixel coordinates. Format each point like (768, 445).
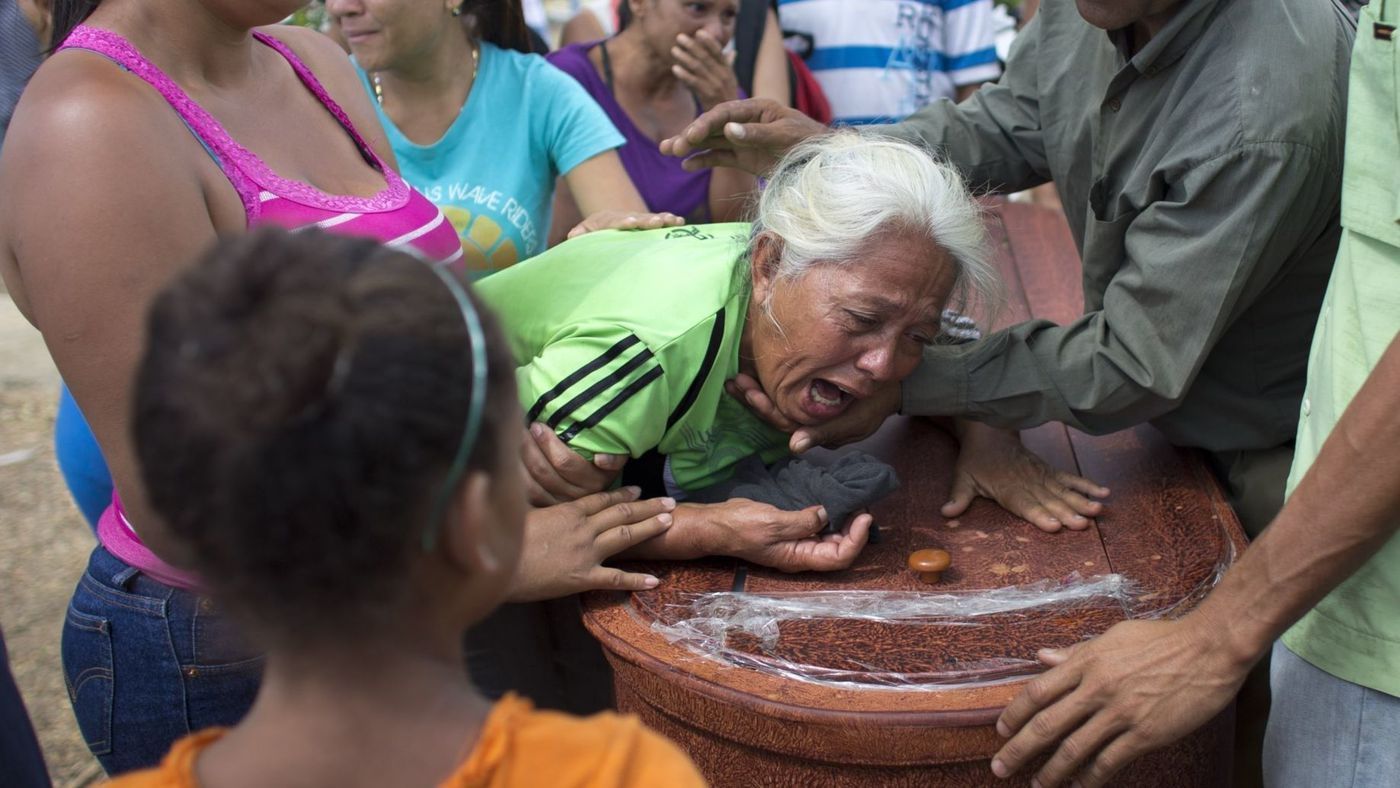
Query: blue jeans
(147, 664)
(1326, 731)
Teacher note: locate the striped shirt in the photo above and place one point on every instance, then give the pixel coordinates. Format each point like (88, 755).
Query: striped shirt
(624, 340)
(879, 61)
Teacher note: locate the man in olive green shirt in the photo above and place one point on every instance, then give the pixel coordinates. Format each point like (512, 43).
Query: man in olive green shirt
(1196, 147)
(1326, 573)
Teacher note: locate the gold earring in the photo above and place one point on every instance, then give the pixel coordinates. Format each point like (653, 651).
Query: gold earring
(457, 10)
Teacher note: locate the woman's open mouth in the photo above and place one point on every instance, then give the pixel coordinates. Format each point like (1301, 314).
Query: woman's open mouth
(825, 400)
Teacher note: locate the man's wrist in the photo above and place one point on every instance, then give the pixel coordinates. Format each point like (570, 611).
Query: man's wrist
(1239, 646)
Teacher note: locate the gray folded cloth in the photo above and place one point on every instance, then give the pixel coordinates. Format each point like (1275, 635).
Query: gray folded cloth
(852, 483)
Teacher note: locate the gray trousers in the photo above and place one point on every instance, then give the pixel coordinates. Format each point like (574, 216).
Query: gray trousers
(1327, 732)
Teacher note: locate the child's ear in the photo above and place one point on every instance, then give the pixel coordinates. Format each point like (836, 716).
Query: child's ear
(466, 537)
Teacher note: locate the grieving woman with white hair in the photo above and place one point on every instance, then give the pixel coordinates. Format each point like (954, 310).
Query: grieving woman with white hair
(625, 339)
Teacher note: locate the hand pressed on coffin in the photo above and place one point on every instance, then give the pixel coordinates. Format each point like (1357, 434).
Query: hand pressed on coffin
(993, 463)
(1135, 689)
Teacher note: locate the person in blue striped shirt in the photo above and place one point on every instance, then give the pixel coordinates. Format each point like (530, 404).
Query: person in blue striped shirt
(879, 61)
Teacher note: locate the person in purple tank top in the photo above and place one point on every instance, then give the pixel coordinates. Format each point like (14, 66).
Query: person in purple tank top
(665, 68)
(157, 127)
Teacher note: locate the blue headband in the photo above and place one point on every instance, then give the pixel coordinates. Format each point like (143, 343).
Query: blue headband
(476, 348)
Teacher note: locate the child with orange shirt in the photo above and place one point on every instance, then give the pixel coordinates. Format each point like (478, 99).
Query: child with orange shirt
(330, 431)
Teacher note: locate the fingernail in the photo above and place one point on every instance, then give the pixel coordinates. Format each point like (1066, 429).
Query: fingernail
(683, 38)
(1079, 518)
(669, 503)
(651, 582)
(802, 444)
(537, 429)
(735, 130)
(821, 514)
(1053, 520)
(664, 518)
(633, 489)
(998, 768)
(1003, 731)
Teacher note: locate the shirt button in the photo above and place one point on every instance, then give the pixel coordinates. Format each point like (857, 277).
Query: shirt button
(1307, 406)
(1114, 104)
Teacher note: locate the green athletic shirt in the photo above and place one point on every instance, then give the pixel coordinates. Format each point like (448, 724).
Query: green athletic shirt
(624, 340)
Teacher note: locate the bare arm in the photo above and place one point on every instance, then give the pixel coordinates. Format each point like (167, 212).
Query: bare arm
(759, 533)
(599, 195)
(1144, 684)
(770, 71)
(106, 197)
(601, 184)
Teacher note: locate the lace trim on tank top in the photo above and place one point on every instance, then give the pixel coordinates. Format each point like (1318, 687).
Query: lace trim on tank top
(248, 173)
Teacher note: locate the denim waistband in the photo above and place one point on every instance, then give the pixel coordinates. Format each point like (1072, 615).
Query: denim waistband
(125, 585)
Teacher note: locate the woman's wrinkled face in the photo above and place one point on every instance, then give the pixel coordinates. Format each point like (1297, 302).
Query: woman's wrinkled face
(382, 33)
(842, 332)
(662, 20)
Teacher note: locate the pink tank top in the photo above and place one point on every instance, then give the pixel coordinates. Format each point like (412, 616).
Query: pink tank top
(397, 216)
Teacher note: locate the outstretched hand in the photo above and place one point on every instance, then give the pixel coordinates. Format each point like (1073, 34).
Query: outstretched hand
(749, 135)
(994, 464)
(787, 541)
(860, 420)
(1107, 701)
(565, 545)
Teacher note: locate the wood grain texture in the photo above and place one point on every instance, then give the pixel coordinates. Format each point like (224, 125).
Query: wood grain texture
(745, 722)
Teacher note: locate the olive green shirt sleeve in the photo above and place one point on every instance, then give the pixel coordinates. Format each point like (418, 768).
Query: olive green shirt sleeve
(1188, 264)
(994, 137)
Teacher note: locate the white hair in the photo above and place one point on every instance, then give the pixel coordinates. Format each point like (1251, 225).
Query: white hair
(831, 194)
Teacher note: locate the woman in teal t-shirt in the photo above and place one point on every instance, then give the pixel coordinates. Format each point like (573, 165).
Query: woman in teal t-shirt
(483, 128)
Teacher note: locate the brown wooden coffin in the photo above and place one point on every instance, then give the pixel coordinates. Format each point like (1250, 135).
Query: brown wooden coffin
(912, 701)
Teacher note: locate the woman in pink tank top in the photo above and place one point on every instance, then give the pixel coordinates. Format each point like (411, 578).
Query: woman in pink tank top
(158, 126)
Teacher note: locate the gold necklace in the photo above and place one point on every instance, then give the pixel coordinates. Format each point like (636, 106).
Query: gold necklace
(476, 66)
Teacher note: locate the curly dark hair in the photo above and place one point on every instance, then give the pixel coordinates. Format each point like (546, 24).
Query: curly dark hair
(299, 403)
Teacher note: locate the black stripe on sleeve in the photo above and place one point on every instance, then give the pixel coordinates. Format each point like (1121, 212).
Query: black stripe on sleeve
(708, 362)
(612, 379)
(612, 405)
(579, 374)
